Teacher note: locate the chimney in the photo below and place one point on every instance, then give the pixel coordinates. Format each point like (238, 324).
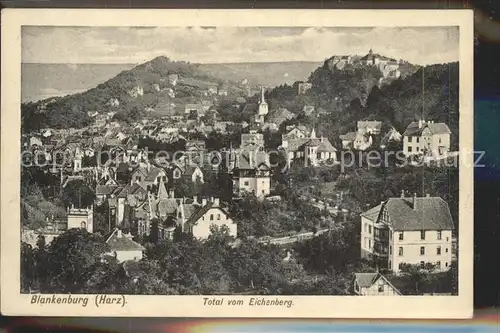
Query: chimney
(171, 193)
(420, 123)
(402, 193)
(195, 199)
(414, 201)
(204, 202)
(427, 195)
(216, 201)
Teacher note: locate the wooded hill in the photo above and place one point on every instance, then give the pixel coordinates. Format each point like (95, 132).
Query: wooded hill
(71, 110)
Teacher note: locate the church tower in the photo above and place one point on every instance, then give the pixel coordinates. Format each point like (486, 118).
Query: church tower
(263, 108)
(311, 150)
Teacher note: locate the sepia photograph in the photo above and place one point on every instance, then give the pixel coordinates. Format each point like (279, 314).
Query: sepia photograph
(240, 166)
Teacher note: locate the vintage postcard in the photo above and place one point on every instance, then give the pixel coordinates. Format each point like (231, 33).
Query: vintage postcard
(237, 163)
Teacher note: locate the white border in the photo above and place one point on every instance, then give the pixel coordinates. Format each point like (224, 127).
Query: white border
(13, 303)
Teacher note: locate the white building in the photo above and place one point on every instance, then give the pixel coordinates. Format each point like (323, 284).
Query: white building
(408, 230)
(123, 248)
(426, 138)
(210, 213)
(312, 150)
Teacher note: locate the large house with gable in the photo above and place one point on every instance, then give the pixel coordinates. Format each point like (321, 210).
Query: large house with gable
(426, 138)
(408, 230)
(299, 143)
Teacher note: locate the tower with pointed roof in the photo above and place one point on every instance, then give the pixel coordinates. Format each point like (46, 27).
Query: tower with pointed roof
(162, 191)
(311, 149)
(263, 108)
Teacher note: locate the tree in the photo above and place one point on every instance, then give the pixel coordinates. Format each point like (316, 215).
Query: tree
(101, 218)
(70, 256)
(28, 271)
(416, 277)
(108, 277)
(257, 266)
(77, 193)
(334, 250)
(184, 188)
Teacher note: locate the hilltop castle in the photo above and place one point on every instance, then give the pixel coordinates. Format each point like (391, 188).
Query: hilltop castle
(388, 66)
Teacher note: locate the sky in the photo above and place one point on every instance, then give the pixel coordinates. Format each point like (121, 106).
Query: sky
(131, 45)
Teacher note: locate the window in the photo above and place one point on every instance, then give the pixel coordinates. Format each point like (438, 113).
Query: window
(438, 264)
(381, 288)
(138, 178)
(83, 225)
(446, 250)
(211, 217)
(390, 249)
(422, 250)
(369, 243)
(409, 149)
(418, 139)
(246, 183)
(439, 140)
(401, 236)
(400, 253)
(369, 229)
(422, 264)
(439, 235)
(446, 264)
(409, 139)
(417, 149)
(218, 216)
(400, 265)
(438, 250)
(422, 235)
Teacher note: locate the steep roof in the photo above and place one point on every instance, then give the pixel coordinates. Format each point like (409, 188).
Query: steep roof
(392, 135)
(326, 146)
(428, 213)
(372, 213)
(132, 189)
(201, 211)
(244, 161)
(436, 128)
(348, 136)
(153, 173)
(105, 189)
(162, 191)
(366, 280)
(122, 243)
(166, 206)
